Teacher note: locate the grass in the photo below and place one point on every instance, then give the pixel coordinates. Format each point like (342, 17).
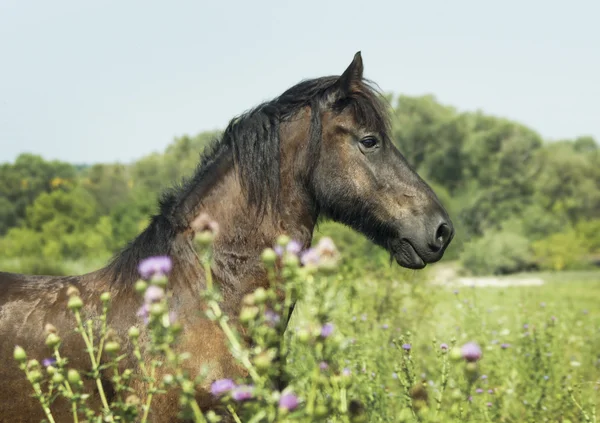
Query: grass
(549, 332)
(541, 345)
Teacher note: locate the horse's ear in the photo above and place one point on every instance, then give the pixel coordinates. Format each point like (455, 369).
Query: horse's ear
(352, 75)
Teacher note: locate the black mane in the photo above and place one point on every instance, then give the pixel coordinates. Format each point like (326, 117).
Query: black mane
(251, 144)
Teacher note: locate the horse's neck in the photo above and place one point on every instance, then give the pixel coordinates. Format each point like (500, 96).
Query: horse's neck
(242, 238)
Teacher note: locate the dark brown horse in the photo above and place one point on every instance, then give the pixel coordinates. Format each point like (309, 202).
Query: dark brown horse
(322, 148)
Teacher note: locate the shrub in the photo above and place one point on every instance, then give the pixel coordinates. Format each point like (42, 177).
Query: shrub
(497, 252)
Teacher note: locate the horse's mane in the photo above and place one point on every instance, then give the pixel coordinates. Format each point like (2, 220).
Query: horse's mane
(251, 142)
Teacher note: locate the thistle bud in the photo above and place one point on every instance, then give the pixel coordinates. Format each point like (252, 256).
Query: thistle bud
(19, 354)
(52, 340)
(75, 303)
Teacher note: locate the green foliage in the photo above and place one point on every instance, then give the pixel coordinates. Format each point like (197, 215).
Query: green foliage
(492, 174)
(533, 354)
(497, 252)
(561, 251)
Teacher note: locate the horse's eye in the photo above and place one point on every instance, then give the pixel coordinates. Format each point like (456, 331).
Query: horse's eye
(368, 142)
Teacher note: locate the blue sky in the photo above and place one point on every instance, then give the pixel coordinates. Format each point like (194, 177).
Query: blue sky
(102, 81)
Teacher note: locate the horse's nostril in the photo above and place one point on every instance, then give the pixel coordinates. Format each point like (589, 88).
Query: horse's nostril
(442, 233)
(442, 236)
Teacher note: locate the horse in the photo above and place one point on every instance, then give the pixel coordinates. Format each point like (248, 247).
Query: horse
(320, 150)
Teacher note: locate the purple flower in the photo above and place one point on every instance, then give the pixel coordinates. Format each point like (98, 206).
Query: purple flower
(327, 330)
(242, 393)
(153, 294)
(406, 347)
(221, 386)
(49, 362)
(489, 404)
(172, 317)
(483, 377)
(155, 266)
(326, 247)
(288, 402)
(526, 326)
(278, 250)
(505, 346)
(444, 346)
(310, 257)
(471, 352)
(271, 317)
(490, 391)
(479, 390)
(294, 247)
(144, 313)
(385, 326)
(323, 365)
(346, 372)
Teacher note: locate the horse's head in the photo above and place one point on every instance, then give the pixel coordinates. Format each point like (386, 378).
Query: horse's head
(362, 180)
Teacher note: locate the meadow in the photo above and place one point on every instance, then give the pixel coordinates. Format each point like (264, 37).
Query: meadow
(406, 349)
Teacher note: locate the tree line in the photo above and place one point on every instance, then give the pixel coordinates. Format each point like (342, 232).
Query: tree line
(518, 202)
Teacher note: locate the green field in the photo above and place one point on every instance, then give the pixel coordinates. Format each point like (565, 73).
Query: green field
(549, 332)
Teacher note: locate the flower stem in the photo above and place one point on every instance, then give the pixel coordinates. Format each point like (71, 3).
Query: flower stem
(90, 349)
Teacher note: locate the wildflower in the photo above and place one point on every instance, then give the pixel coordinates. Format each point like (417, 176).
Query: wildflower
(346, 372)
(327, 330)
(385, 326)
(46, 362)
(310, 257)
(526, 326)
(489, 404)
(483, 377)
(271, 317)
(479, 390)
(206, 229)
(293, 247)
(323, 365)
(455, 292)
(288, 402)
(153, 294)
(144, 313)
(155, 266)
(19, 354)
(394, 375)
(444, 347)
(406, 347)
(221, 386)
(490, 391)
(242, 393)
(505, 346)
(471, 352)
(546, 377)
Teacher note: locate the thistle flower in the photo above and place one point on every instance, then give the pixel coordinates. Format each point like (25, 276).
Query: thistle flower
(406, 347)
(293, 247)
(242, 393)
(327, 330)
(444, 347)
(46, 362)
(479, 390)
(155, 266)
(221, 386)
(144, 313)
(204, 224)
(505, 346)
(471, 352)
(323, 365)
(288, 402)
(153, 294)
